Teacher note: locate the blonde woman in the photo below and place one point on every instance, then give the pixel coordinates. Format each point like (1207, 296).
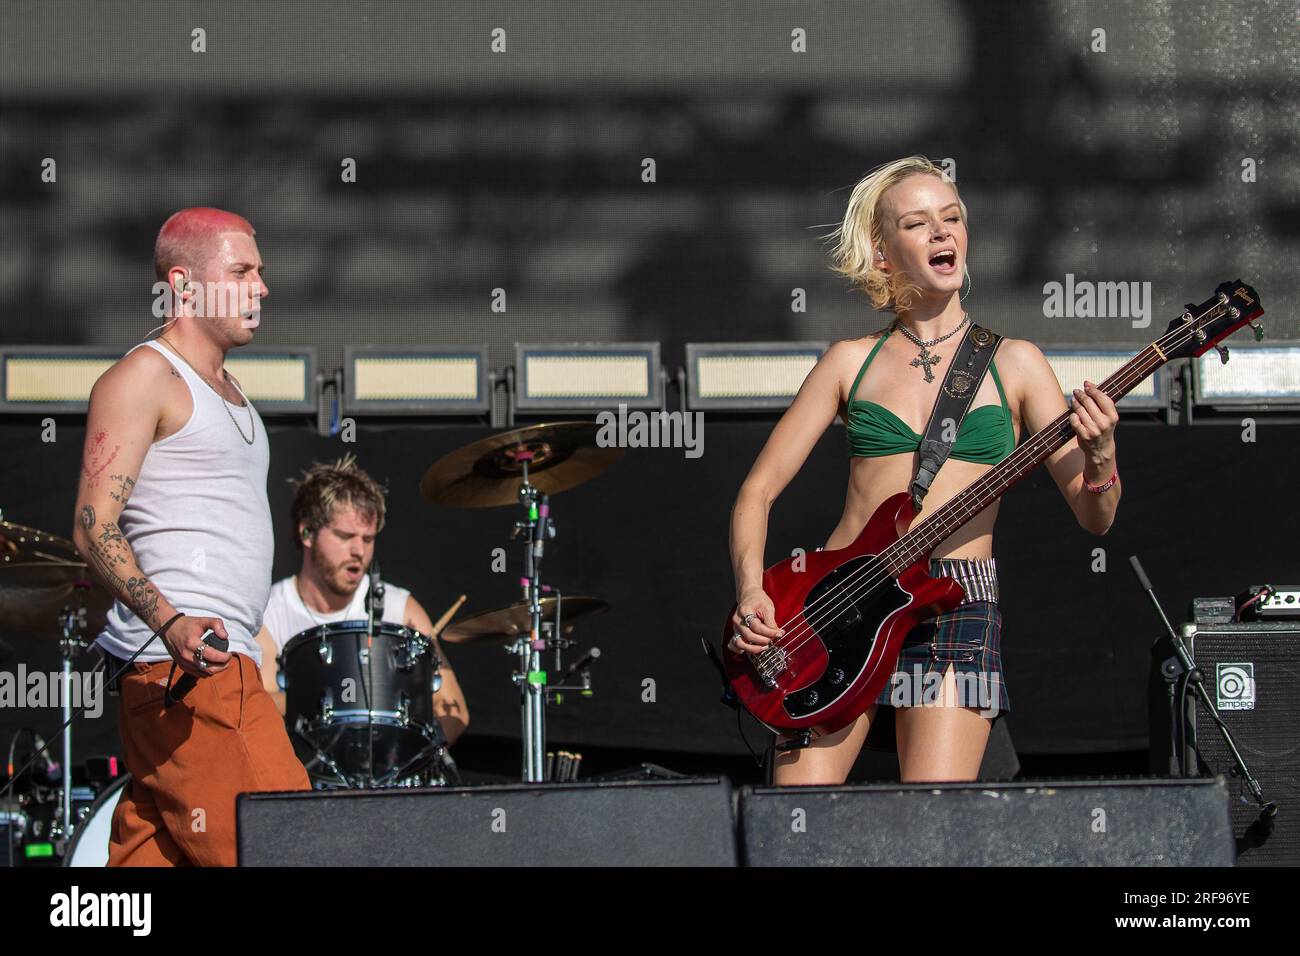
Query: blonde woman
(904, 242)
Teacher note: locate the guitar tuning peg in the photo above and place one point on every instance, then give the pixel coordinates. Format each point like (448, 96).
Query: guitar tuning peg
(1223, 354)
(1258, 329)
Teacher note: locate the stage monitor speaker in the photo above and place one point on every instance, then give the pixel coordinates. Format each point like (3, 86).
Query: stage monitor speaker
(686, 822)
(1252, 671)
(1058, 823)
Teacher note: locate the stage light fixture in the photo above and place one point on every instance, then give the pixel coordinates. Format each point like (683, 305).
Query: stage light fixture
(43, 379)
(1074, 365)
(587, 375)
(747, 376)
(1260, 376)
(399, 380)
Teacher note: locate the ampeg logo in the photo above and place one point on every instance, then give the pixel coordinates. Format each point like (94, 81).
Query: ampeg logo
(1236, 686)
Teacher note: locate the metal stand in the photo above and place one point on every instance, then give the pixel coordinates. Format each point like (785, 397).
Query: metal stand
(1264, 823)
(529, 675)
(71, 623)
(374, 614)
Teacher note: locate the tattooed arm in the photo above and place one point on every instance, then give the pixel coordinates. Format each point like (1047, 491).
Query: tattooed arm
(126, 405)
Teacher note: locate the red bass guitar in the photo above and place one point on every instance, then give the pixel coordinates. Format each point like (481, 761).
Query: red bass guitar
(845, 614)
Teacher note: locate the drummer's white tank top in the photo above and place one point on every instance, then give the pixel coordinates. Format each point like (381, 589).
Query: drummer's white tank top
(287, 616)
(199, 523)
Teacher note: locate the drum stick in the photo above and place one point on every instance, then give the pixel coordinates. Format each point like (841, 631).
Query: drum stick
(442, 621)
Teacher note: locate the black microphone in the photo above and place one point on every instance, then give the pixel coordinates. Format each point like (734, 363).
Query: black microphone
(375, 593)
(539, 535)
(581, 664)
(186, 684)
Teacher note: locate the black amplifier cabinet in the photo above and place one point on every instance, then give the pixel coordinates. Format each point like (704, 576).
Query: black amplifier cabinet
(1252, 671)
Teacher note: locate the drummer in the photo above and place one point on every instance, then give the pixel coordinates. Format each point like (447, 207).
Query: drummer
(338, 510)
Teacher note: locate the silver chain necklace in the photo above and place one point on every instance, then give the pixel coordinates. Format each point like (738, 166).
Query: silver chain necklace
(927, 358)
(331, 616)
(252, 426)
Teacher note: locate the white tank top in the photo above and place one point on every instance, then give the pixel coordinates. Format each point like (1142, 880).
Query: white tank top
(287, 616)
(199, 523)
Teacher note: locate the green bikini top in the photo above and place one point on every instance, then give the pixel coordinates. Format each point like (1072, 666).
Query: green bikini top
(986, 435)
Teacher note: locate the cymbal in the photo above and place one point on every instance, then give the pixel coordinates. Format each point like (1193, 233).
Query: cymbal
(489, 472)
(20, 544)
(508, 622)
(40, 574)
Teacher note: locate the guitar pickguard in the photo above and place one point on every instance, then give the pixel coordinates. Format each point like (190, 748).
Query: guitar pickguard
(848, 626)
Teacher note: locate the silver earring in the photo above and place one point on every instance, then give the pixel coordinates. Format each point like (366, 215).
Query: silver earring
(968, 285)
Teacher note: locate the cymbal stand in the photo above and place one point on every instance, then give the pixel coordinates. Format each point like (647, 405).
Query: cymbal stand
(71, 624)
(529, 676)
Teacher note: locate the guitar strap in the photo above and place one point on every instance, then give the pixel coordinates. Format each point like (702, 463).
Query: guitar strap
(956, 393)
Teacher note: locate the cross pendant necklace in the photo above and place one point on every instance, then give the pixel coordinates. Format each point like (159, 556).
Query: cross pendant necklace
(927, 359)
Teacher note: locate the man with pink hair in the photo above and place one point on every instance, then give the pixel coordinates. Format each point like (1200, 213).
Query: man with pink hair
(172, 515)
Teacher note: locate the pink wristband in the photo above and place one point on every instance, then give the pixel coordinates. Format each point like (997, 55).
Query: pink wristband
(1104, 487)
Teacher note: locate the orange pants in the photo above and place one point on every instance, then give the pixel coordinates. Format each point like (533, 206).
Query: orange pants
(189, 761)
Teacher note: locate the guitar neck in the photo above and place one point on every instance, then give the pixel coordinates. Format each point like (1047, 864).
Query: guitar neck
(922, 539)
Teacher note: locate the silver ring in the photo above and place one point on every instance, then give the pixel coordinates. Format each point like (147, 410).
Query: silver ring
(747, 618)
(735, 639)
(198, 657)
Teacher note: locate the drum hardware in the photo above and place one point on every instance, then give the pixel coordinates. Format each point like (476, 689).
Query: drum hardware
(525, 467)
(582, 668)
(34, 829)
(390, 732)
(374, 614)
(43, 579)
(509, 622)
(321, 757)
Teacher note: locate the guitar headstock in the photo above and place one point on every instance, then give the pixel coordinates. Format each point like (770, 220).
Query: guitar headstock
(1201, 327)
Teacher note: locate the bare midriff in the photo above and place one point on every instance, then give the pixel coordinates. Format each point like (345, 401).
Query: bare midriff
(872, 480)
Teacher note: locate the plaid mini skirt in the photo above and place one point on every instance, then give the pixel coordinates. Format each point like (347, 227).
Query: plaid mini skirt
(969, 639)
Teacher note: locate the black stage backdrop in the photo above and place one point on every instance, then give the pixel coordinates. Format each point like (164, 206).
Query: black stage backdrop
(1207, 513)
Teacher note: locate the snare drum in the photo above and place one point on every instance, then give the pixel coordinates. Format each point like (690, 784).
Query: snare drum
(360, 713)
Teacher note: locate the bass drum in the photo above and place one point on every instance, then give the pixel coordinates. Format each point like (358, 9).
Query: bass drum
(89, 845)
